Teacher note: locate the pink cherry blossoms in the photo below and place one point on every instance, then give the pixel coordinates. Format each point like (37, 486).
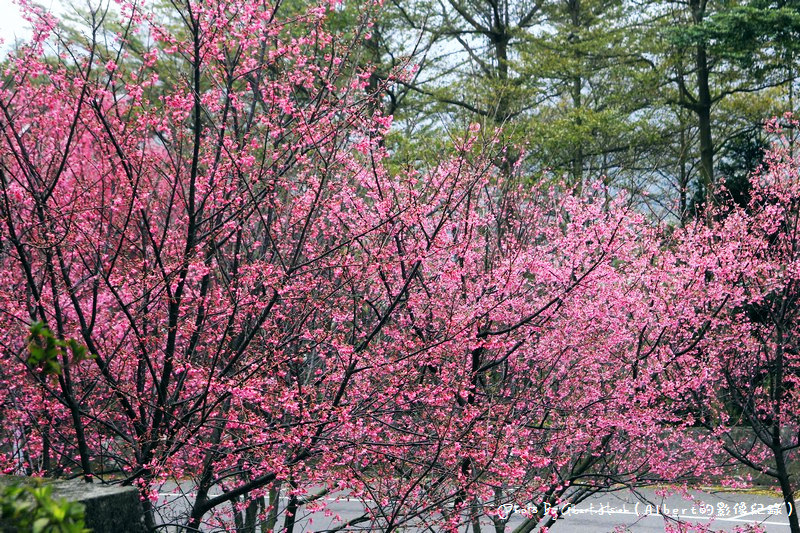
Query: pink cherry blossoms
(204, 202)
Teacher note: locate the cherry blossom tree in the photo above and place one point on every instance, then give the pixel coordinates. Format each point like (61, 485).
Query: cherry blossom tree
(743, 271)
(176, 230)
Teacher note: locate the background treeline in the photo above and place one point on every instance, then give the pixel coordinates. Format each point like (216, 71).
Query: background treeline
(661, 98)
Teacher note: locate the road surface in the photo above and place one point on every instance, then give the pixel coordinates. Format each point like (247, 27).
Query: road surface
(615, 512)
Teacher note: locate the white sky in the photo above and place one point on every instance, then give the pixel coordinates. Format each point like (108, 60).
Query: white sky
(11, 24)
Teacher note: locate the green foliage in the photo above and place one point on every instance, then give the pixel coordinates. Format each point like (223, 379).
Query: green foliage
(45, 350)
(33, 509)
(746, 33)
(745, 153)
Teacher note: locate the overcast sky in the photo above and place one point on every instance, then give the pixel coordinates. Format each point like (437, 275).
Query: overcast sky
(11, 23)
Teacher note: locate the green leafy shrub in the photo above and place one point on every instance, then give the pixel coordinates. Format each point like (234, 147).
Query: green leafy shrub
(32, 508)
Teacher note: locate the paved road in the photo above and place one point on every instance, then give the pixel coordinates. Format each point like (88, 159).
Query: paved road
(722, 511)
